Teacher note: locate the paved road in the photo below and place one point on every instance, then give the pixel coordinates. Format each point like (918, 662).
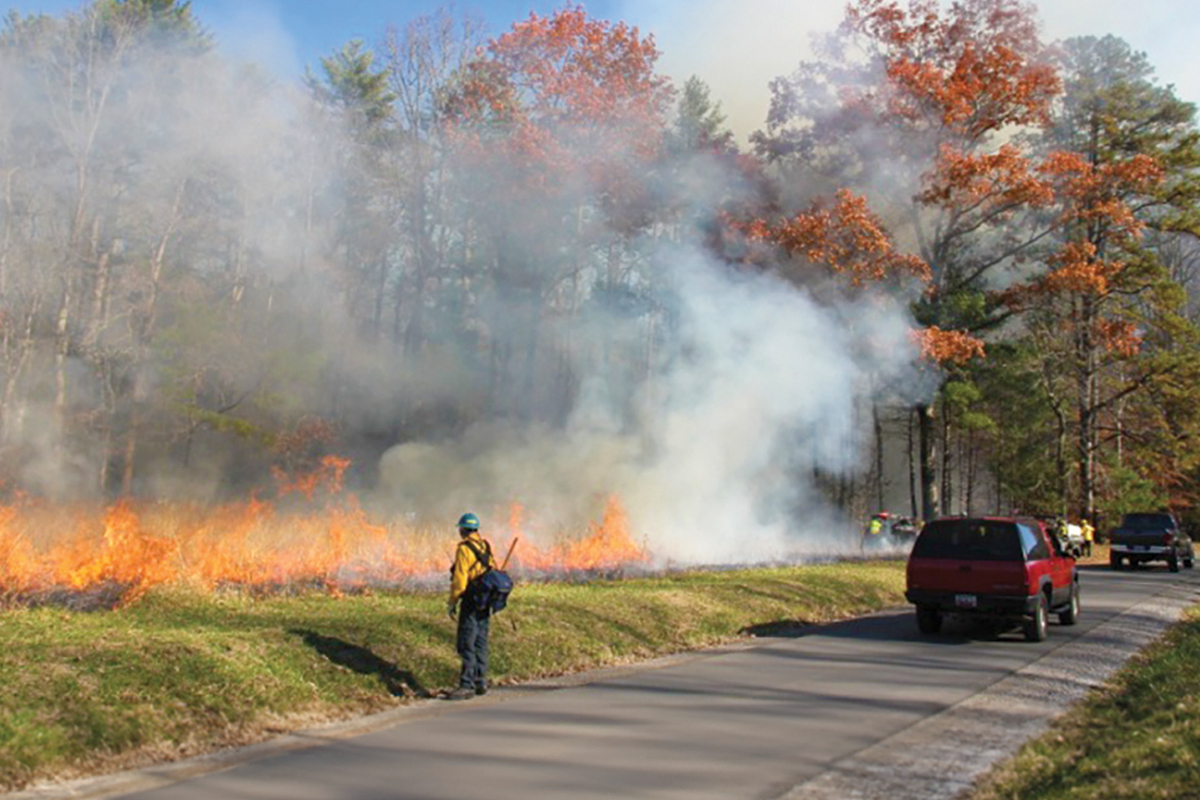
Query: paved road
(773, 719)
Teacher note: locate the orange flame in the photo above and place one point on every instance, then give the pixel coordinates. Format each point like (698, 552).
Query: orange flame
(253, 545)
(328, 475)
(608, 546)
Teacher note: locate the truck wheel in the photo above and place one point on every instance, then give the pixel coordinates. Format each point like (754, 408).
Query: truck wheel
(1114, 561)
(1173, 563)
(1037, 627)
(929, 620)
(1189, 562)
(1071, 615)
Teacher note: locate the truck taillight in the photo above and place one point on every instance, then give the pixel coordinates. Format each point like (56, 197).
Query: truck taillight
(1168, 539)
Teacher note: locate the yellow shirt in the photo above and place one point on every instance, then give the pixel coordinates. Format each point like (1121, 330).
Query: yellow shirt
(467, 566)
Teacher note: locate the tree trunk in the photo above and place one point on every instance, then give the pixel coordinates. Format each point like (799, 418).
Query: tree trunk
(968, 460)
(947, 493)
(1086, 401)
(912, 465)
(142, 336)
(931, 506)
(62, 347)
(131, 442)
(877, 426)
(18, 357)
(7, 222)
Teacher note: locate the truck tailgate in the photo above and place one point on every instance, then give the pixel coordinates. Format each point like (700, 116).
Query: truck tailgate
(975, 577)
(1138, 538)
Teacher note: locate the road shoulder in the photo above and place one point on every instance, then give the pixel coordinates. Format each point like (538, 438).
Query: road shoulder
(941, 757)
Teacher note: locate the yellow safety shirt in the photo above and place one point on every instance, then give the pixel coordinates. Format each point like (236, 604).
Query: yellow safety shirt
(467, 566)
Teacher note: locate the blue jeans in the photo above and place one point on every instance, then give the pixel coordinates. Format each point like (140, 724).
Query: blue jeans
(473, 625)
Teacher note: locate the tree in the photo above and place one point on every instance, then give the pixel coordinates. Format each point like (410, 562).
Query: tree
(699, 123)
(554, 128)
(922, 124)
(355, 94)
(81, 78)
(1127, 161)
(423, 59)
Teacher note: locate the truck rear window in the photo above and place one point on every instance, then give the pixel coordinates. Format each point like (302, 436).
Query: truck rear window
(969, 539)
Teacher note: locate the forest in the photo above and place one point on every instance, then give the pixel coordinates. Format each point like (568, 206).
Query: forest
(955, 271)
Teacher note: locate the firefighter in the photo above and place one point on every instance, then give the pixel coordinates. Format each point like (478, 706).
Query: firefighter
(874, 534)
(470, 558)
(1089, 536)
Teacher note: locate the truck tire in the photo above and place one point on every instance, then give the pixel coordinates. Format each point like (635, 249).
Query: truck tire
(1189, 562)
(1173, 563)
(1036, 628)
(1115, 561)
(929, 620)
(1070, 615)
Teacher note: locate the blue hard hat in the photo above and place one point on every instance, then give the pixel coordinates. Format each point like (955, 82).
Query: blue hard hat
(469, 521)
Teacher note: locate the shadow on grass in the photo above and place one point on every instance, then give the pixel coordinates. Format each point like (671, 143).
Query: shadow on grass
(399, 682)
(783, 628)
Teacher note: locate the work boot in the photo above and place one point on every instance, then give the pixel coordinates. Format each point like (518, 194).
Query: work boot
(481, 689)
(461, 693)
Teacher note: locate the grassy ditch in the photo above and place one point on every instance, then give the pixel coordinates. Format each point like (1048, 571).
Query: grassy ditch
(182, 673)
(1137, 738)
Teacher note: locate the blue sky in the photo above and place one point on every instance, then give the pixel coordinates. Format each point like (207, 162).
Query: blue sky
(736, 46)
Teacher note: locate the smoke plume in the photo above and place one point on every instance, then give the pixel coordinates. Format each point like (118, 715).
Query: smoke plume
(208, 275)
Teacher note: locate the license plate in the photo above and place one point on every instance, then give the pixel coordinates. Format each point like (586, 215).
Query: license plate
(1140, 547)
(965, 600)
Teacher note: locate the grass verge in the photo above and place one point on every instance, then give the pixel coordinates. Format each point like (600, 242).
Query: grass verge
(179, 673)
(1137, 738)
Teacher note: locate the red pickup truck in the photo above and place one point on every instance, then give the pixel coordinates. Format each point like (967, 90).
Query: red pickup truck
(996, 567)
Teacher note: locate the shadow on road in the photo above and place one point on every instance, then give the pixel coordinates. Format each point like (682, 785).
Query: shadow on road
(888, 627)
(898, 626)
(399, 682)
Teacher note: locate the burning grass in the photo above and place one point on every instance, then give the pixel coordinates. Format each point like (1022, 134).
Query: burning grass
(184, 671)
(88, 558)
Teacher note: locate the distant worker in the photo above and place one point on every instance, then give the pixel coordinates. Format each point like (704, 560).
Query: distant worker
(1089, 536)
(1074, 537)
(470, 562)
(874, 537)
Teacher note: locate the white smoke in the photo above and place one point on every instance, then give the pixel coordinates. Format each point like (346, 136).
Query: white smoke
(712, 412)
(762, 386)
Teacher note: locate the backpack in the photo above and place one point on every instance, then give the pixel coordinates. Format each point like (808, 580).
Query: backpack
(491, 589)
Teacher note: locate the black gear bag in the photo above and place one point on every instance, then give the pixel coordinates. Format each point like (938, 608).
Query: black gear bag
(491, 589)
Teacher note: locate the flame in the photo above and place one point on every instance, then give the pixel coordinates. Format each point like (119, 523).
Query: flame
(256, 546)
(328, 475)
(608, 546)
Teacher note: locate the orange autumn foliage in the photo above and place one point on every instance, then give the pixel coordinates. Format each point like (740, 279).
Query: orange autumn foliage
(1095, 193)
(561, 93)
(1119, 336)
(976, 70)
(947, 347)
(938, 90)
(1092, 202)
(987, 183)
(847, 237)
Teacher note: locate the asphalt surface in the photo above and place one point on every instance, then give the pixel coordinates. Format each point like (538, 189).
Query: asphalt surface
(860, 709)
